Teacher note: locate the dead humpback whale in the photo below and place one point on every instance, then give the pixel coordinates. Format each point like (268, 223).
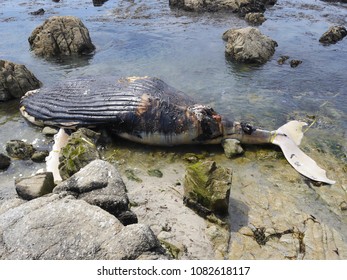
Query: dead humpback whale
(149, 111)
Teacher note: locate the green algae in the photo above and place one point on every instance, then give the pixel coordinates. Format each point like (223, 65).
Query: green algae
(79, 151)
(208, 185)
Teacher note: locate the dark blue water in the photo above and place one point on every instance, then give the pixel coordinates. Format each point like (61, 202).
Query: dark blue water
(187, 51)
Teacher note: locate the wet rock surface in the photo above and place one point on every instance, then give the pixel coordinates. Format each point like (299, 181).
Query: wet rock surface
(15, 80)
(255, 18)
(35, 186)
(19, 149)
(232, 148)
(61, 35)
(311, 227)
(208, 185)
(333, 35)
(100, 184)
(65, 228)
(5, 161)
(248, 45)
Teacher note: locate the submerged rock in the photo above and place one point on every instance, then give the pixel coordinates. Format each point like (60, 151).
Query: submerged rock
(255, 18)
(15, 80)
(100, 184)
(333, 35)
(5, 161)
(208, 185)
(295, 63)
(19, 149)
(248, 45)
(61, 35)
(35, 186)
(78, 152)
(68, 229)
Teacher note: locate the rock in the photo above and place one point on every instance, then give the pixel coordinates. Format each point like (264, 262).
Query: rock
(15, 80)
(255, 18)
(248, 45)
(78, 152)
(35, 186)
(99, 3)
(68, 229)
(61, 35)
(49, 131)
(333, 35)
(5, 161)
(19, 149)
(39, 156)
(282, 59)
(208, 185)
(39, 12)
(237, 6)
(232, 148)
(295, 63)
(100, 184)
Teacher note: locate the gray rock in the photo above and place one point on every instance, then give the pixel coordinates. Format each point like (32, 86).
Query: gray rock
(69, 229)
(207, 184)
(232, 148)
(19, 149)
(248, 45)
(100, 184)
(333, 35)
(39, 156)
(15, 80)
(35, 186)
(61, 35)
(5, 161)
(50, 131)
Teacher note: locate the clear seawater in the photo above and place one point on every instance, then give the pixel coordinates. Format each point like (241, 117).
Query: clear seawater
(146, 37)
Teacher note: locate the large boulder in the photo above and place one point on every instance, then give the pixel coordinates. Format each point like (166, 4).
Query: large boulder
(100, 184)
(15, 80)
(61, 35)
(248, 45)
(68, 229)
(238, 6)
(333, 35)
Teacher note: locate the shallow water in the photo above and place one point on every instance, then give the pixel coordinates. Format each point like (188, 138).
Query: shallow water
(135, 37)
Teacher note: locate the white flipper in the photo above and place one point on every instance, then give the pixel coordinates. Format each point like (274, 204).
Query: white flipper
(52, 161)
(288, 137)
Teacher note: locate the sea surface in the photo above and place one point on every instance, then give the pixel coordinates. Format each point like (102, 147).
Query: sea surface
(147, 37)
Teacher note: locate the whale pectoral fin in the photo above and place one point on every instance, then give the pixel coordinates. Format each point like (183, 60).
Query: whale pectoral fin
(296, 157)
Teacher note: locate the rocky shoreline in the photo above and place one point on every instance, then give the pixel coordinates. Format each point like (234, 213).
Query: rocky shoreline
(109, 208)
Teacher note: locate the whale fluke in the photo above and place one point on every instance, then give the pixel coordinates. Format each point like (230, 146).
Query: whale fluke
(288, 137)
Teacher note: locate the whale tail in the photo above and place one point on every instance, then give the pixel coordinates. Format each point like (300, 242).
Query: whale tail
(288, 137)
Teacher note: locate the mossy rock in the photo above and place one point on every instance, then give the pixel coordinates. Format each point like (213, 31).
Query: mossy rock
(19, 149)
(209, 185)
(80, 150)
